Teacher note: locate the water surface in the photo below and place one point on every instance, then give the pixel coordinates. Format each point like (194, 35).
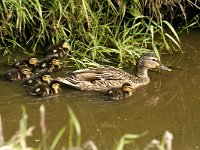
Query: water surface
(170, 102)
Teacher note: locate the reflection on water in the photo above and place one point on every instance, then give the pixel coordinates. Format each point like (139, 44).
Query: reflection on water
(170, 102)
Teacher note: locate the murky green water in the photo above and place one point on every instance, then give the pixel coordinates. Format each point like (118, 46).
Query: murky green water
(170, 102)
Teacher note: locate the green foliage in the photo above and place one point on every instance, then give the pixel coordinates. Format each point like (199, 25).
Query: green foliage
(98, 31)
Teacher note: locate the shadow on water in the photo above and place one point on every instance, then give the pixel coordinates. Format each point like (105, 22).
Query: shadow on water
(170, 102)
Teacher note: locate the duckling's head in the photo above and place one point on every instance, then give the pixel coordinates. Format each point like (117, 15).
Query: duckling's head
(33, 61)
(149, 61)
(47, 78)
(25, 71)
(126, 87)
(65, 45)
(55, 86)
(56, 62)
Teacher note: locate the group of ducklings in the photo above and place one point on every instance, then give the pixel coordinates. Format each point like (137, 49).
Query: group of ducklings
(35, 74)
(115, 83)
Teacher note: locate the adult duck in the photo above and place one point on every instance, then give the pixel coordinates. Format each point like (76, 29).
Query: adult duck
(105, 78)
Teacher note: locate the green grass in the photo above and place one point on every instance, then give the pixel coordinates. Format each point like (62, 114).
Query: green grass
(19, 140)
(98, 31)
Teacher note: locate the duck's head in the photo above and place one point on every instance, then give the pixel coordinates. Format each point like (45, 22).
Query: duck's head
(150, 61)
(55, 86)
(56, 62)
(47, 78)
(126, 87)
(33, 61)
(25, 71)
(65, 45)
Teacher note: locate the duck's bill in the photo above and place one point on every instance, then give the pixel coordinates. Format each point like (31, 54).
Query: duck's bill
(165, 68)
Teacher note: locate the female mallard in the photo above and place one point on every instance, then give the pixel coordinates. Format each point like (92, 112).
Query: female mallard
(105, 78)
(43, 78)
(44, 90)
(120, 93)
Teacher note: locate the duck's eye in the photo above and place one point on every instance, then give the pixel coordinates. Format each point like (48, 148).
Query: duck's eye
(154, 59)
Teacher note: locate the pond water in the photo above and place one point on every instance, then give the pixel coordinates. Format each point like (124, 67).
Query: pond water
(170, 102)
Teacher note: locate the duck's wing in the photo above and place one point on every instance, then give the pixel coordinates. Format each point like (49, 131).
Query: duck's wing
(100, 73)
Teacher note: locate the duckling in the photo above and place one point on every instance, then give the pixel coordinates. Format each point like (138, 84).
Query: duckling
(59, 50)
(15, 74)
(120, 93)
(51, 64)
(37, 80)
(44, 90)
(30, 62)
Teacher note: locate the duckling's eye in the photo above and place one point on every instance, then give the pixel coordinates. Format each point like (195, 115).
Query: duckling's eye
(33, 60)
(25, 70)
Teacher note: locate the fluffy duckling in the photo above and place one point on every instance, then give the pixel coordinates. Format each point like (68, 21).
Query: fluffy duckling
(30, 62)
(51, 64)
(59, 50)
(120, 93)
(44, 90)
(37, 80)
(15, 74)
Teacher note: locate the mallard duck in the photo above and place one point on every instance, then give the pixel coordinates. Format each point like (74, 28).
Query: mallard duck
(30, 62)
(37, 80)
(49, 64)
(59, 50)
(44, 90)
(120, 93)
(15, 74)
(105, 78)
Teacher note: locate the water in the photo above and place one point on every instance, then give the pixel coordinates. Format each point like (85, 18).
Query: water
(170, 102)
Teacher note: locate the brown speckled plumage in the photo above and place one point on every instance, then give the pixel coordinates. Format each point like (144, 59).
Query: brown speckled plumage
(105, 78)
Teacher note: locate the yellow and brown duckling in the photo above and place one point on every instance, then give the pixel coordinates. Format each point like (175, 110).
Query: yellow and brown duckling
(14, 74)
(120, 93)
(49, 64)
(59, 50)
(30, 62)
(44, 90)
(105, 78)
(43, 78)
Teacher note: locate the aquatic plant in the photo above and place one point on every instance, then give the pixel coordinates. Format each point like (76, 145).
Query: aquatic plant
(97, 31)
(19, 140)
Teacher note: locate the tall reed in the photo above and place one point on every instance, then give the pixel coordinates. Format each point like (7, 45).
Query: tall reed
(96, 30)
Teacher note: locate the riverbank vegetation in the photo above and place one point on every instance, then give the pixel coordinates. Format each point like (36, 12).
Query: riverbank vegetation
(19, 141)
(96, 30)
